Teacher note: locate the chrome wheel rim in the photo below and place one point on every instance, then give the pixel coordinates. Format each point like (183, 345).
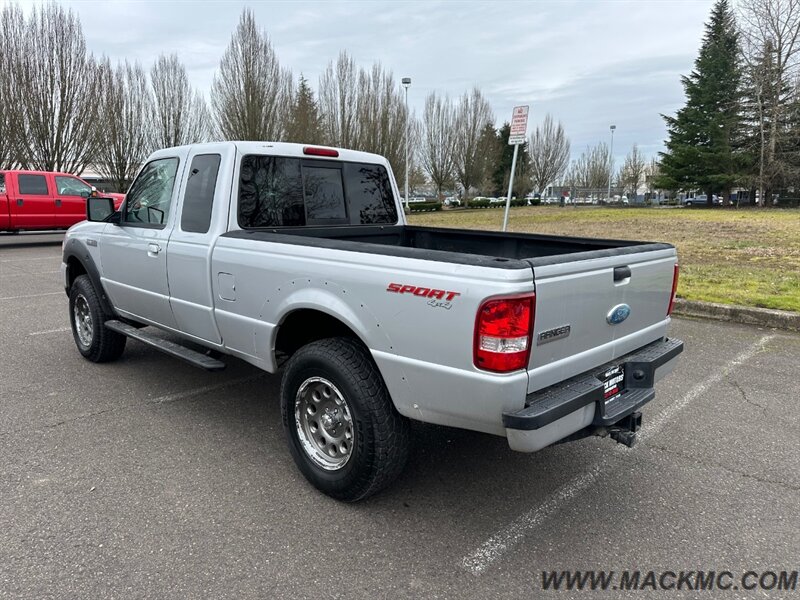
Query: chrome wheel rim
(82, 317)
(324, 424)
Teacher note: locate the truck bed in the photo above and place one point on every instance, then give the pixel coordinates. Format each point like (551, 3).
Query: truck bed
(463, 246)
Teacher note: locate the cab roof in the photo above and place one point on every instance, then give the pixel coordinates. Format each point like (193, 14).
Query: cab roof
(290, 149)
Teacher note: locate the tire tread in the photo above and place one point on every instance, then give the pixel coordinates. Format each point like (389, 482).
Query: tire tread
(106, 345)
(390, 432)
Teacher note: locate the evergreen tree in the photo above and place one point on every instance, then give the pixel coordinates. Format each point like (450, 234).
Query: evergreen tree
(502, 168)
(700, 150)
(305, 124)
(487, 159)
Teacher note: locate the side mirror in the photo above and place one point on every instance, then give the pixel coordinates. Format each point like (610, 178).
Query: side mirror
(99, 210)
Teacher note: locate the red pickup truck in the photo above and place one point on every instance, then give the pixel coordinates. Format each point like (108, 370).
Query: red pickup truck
(36, 200)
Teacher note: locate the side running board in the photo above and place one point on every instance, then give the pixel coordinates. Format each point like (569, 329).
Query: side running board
(196, 359)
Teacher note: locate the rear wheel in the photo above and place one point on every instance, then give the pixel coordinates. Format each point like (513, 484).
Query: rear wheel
(87, 318)
(343, 431)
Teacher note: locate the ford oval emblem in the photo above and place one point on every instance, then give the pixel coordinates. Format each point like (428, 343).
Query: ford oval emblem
(618, 314)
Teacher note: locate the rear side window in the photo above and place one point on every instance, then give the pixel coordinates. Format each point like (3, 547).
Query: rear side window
(32, 184)
(279, 191)
(199, 196)
(270, 192)
(369, 194)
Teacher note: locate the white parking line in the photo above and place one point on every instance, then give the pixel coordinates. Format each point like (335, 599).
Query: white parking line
(204, 390)
(654, 425)
(50, 331)
(31, 296)
(10, 260)
(499, 543)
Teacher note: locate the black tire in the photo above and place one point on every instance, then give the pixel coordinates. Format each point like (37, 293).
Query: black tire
(380, 436)
(99, 344)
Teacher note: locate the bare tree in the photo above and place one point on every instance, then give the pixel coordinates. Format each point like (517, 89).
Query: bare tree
(771, 34)
(338, 96)
(57, 90)
(651, 175)
(126, 121)
(251, 94)
(181, 114)
(633, 171)
(600, 165)
(364, 110)
(472, 116)
(381, 115)
(549, 152)
(592, 169)
(436, 149)
(12, 24)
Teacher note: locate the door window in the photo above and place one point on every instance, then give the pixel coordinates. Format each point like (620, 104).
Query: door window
(198, 198)
(70, 186)
(32, 185)
(148, 201)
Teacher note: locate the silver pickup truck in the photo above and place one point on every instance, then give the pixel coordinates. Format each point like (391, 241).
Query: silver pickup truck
(299, 258)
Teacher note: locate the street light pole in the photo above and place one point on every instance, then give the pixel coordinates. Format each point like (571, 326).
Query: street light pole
(610, 163)
(406, 81)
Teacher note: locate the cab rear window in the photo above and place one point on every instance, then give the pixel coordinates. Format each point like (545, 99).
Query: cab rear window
(276, 191)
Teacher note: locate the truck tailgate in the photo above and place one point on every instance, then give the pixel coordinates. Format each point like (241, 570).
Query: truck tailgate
(573, 331)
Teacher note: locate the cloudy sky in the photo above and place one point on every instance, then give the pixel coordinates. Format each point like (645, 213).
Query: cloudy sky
(589, 63)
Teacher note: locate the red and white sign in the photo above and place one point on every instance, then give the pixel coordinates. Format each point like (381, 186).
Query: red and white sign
(519, 126)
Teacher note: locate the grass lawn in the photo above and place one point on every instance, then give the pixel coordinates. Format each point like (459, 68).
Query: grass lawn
(747, 256)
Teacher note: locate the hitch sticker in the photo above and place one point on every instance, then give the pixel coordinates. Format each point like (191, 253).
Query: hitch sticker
(612, 383)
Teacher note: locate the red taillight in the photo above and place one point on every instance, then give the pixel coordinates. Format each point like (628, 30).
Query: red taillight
(314, 151)
(674, 290)
(503, 332)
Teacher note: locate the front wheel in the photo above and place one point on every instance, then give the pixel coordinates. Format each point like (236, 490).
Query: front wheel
(343, 431)
(87, 317)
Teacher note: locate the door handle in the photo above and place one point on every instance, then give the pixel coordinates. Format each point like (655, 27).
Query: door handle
(622, 273)
(58, 201)
(19, 201)
(153, 249)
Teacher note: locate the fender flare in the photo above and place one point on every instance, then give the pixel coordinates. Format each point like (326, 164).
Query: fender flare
(76, 249)
(330, 302)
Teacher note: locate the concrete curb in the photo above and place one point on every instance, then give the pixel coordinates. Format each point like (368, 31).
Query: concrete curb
(764, 317)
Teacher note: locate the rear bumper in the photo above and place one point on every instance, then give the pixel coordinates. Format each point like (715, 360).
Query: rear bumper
(558, 411)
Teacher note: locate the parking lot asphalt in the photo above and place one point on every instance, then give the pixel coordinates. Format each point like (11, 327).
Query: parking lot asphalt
(147, 478)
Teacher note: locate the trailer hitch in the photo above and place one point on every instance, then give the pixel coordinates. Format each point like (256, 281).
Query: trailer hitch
(624, 431)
